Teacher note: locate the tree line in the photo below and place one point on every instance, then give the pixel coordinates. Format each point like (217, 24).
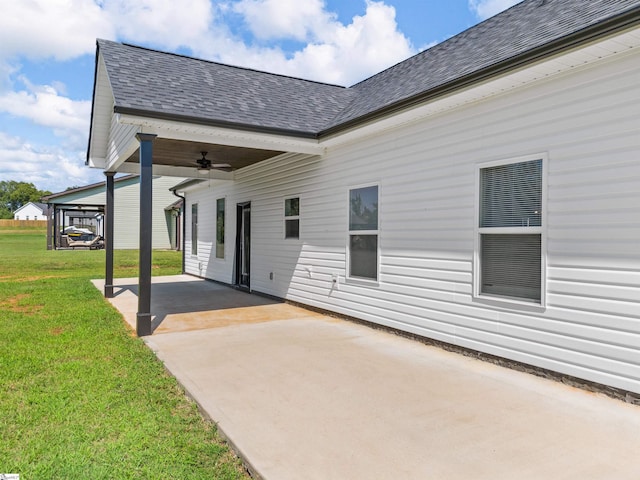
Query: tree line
(14, 195)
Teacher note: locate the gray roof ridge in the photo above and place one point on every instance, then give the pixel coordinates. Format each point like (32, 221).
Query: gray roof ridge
(441, 44)
(221, 64)
(340, 120)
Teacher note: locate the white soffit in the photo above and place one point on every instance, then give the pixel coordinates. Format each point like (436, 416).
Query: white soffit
(558, 65)
(175, 130)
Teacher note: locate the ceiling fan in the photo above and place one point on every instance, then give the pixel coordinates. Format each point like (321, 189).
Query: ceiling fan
(205, 165)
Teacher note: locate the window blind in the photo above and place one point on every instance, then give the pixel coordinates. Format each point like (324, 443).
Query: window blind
(511, 195)
(511, 265)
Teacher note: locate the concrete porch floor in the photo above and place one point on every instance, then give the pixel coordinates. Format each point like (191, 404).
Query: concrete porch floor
(305, 396)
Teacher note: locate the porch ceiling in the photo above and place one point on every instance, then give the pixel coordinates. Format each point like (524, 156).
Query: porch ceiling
(182, 153)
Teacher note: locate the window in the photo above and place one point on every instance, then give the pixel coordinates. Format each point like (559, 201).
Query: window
(220, 228)
(510, 244)
(363, 233)
(194, 229)
(292, 217)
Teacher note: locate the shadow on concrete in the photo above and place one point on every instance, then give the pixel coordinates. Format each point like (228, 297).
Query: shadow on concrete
(186, 303)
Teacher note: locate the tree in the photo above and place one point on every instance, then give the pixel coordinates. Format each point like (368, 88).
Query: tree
(14, 195)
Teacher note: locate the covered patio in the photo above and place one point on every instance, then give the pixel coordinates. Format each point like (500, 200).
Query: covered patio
(174, 132)
(302, 395)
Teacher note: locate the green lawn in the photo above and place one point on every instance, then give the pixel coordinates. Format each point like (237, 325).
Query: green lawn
(81, 397)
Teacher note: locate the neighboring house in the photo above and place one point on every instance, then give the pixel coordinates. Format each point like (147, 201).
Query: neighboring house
(31, 211)
(84, 207)
(483, 193)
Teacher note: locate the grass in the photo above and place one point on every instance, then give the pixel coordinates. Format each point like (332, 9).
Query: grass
(81, 396)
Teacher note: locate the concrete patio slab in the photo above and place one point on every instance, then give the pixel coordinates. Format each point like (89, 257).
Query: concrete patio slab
(183, 302)
(307, 396)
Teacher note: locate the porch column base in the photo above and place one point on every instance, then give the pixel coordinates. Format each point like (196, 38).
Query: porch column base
(143, 324)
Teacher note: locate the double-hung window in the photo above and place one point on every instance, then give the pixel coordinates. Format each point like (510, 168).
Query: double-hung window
(220, 228)
(292, 217)
(510, 230)
(363, 233)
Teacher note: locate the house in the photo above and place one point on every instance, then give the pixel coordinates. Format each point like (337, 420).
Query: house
(84, 207)
(483, 193)
(31, 211)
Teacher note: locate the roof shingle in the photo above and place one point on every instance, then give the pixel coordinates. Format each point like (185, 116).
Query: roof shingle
(522, 28)
(173, 86)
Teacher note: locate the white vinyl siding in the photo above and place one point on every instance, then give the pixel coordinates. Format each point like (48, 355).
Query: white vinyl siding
(122, 138)
(587, 123)
(29, 211)
(103, 102)
(126, 199)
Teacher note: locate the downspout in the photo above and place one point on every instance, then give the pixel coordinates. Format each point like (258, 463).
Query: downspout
(184, 227)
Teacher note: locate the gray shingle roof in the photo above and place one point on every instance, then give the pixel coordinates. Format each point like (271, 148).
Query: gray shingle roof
(173, 86)
(523, 28)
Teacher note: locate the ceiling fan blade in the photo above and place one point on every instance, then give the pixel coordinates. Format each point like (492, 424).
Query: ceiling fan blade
(225, 167)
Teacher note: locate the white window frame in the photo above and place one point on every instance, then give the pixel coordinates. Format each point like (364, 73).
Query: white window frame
(292, 217)
(542, 231)
(348, 276)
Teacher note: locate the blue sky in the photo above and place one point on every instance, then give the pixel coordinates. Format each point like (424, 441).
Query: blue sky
(47, 51)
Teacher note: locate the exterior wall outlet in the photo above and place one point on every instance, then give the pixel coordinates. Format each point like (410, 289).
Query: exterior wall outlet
(334, 281)
(270, 275)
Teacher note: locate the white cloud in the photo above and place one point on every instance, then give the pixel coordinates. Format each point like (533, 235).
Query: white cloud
(488, 8)
(43, 105)
(294, 19)
(33, 30)
(167, 23)
(336, 52)
(66, 29)
(339, 53)
(48, 168)
(60, 29)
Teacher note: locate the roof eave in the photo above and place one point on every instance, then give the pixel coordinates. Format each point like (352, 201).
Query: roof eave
(93, 101)
(214, 123)
(46, 198)
(186, 184)
(611, 26)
